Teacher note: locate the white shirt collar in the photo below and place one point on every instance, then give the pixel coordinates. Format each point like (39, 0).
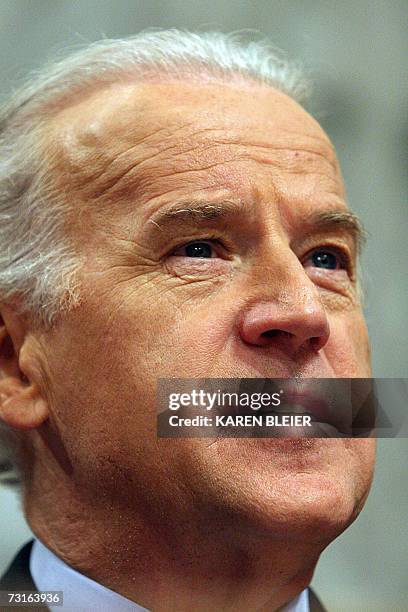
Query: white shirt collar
(81, 593)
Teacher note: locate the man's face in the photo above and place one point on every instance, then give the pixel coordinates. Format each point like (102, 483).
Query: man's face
(250, 283)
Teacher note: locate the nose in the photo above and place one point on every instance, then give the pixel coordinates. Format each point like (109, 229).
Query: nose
(295, 319)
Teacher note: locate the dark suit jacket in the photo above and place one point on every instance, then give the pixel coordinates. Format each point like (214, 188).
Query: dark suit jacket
(18, 578)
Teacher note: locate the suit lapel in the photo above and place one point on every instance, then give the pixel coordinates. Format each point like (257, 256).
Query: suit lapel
(18, 577)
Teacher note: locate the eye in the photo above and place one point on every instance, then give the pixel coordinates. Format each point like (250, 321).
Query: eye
(198, 249)
(325, 259)
(331, 267)
(329, 259)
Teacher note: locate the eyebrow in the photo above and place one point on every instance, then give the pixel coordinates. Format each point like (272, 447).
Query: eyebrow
(199, 211)
(337, 220)
(343, 220)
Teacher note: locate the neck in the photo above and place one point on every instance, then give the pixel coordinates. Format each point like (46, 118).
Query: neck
(161, 563)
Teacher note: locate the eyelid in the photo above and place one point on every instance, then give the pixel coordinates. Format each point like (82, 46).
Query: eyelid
(341, 252)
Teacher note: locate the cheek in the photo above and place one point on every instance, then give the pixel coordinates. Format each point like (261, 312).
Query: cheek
(197, 343)
(183, 337)
(348, 348)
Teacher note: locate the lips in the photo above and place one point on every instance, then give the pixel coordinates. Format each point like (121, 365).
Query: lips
(313, 405)
(321, 405)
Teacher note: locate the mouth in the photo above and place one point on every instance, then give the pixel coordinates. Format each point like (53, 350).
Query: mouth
(329, 417)
(306, 403)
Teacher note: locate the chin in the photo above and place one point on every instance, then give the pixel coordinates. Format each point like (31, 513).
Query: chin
(312, 508)
(315, 506)
(305, 488)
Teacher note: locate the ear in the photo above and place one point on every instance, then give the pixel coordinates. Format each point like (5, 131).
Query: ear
(21, 403)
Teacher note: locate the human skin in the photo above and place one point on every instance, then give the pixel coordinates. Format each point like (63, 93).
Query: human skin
(187, 524)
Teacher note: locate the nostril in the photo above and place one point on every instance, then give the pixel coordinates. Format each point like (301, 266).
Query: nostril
(317, 342)
(272, 333)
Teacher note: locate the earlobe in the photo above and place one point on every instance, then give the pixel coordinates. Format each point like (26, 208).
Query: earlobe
(21, 403)
(21, 407)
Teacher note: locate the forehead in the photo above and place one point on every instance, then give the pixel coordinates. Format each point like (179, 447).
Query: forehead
(141, 139)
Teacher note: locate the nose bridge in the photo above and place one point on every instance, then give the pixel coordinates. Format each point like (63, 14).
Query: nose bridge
(277, 272)
(284, 306)
(297, 293)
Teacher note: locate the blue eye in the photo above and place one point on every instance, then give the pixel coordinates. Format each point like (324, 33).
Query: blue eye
(325, 259)
(198, 249)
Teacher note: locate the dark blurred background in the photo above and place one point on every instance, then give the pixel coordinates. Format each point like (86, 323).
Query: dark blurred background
(356, 52)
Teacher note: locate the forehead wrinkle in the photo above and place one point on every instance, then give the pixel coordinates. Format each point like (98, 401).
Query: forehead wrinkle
(95, 167)
(117, 172)
(133, 176)
(84, 160)
(96, 163)
(148, 169)
(85, 141)
(96, 127)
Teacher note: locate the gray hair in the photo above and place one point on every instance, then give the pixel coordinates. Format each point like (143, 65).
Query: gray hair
(38, 263)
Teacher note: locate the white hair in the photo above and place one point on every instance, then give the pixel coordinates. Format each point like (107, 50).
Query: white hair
(38, 263)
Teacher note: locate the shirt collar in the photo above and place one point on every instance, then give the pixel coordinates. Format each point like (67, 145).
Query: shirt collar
(50, 573)
(80, 593)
